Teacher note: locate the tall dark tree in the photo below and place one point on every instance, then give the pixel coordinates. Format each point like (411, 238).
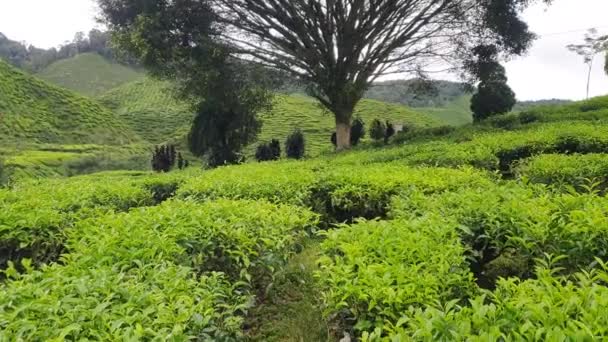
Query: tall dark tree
(295, 145)
(180, 41)
(493, 96)
(340, 47)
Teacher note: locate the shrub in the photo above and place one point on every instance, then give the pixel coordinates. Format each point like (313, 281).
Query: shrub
(528, 117)
(263, 153)
(268, 151)
(508, 121)
(375, 271)
(180, 271)
(163, 158)
(546, 308)
(357, 131)
(377, 130)
(587, 172)
(389, 132)
(295, 145)
(275, 148)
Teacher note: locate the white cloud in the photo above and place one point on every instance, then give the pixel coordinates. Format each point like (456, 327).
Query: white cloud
(549, 70)
(46, 23)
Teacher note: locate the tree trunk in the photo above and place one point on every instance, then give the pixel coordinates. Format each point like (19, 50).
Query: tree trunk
(342, 135)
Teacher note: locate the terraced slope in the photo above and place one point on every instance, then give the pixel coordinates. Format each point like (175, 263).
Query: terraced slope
(147, 106)
(33, 111)
(149, 109)
(89, 74)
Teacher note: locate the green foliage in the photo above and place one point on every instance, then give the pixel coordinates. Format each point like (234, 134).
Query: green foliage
(69, 160)
(375, 271)
(268, 151)
(547, 308)
(493, 95)
(303, 112)
(184, 272)
(295, 145)
(377, 130)
(357, 131)
(150, 109)
(36, 112)
(88, 74)
(583, 172)
(164, 158)
(408, 93)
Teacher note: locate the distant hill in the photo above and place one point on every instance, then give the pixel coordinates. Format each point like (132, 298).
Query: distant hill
(33, 111)
(417, 93)
(524, 105)
(89, 74)
(150, 110)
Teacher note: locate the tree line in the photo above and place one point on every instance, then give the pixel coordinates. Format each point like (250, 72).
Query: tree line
(33, 59)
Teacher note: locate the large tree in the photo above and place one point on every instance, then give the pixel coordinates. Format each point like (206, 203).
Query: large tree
(493, 95)
(340, 47)
(179, 40)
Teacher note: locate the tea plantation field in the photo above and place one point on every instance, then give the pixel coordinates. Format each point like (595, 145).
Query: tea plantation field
(497, 232)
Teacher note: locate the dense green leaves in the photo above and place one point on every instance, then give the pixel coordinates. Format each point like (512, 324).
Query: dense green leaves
(184, 273)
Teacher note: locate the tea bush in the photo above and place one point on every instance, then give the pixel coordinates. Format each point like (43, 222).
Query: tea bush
(522, 222)
(548, 308)
(583, 172)
(184, 272)
(342, 195)
(374, 271)
(283, 182)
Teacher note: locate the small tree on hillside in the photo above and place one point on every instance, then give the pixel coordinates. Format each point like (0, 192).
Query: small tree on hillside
(295, 145)
(377, 130)
(163, 158)
(389, 132)
(268, 151)
(493, 96)
(275, 149)
(357, 132)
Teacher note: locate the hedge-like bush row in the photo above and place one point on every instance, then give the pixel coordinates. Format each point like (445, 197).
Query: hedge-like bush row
(587, 172)
(179, 271)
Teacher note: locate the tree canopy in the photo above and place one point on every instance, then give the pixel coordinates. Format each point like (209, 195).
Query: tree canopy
(179, 41)
(341, 47)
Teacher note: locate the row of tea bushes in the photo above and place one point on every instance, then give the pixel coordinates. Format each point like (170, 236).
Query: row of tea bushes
(178, 271)
(35, 216)
(490, 150)
(508, 226)
(339, 193)
(374, 271)
(440, 249)
(547, 308)
(587, 172)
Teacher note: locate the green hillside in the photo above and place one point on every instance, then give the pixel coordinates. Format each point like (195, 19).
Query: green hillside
(88, 74)
(147, 106)
(490, 232)
(302, 112)
(33, 111)
(456, 112)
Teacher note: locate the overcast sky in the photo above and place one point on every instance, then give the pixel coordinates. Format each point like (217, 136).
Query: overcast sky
(547, 71)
